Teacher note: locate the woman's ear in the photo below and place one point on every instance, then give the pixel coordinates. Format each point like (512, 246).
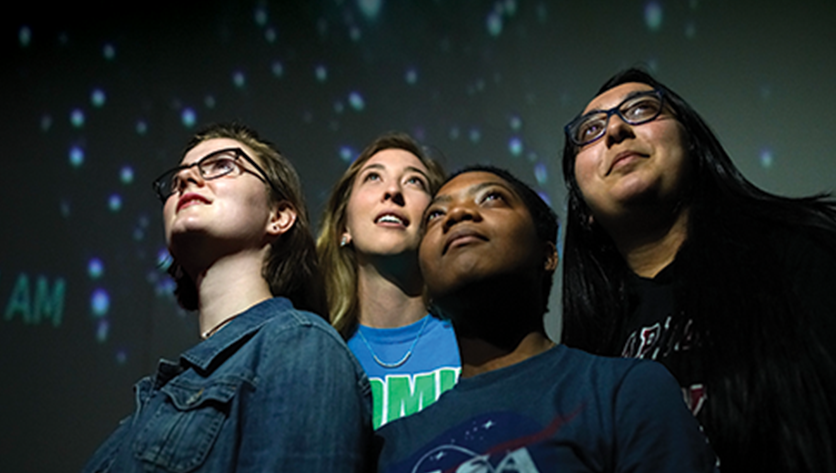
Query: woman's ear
(551, 257)
(345, 240)
(282, 218)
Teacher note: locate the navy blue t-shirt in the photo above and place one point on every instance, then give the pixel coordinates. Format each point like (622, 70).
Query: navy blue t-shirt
(563, 410)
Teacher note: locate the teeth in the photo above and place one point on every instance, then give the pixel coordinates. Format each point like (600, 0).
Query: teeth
(390, 219)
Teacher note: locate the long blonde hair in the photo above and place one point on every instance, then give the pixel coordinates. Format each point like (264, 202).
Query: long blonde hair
(338, 263)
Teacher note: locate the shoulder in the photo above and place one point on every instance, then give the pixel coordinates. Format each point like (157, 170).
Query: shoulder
(435, 323)
(441, 332)
(284, 320)
(618, 375)
(289, 333)
(632, 391)
(598, 364)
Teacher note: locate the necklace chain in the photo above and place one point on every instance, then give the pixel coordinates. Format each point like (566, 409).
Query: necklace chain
(405, 357)
(217, 327)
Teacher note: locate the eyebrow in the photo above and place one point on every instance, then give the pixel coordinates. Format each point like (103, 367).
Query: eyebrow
(407, 169)
(625, 98)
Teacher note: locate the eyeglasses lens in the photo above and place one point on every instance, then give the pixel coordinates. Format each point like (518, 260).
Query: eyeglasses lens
(635, 111)
(210, 167)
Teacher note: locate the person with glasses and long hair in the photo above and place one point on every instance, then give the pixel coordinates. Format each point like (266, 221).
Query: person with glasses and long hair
(672, 255)
(272, 386)
(368, 245)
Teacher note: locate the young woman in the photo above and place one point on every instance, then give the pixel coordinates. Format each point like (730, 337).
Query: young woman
(523, 404)
(271, 387)
(368, 251)
(671, 254)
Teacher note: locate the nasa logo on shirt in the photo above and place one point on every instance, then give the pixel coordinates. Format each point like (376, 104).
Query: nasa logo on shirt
(493, 442)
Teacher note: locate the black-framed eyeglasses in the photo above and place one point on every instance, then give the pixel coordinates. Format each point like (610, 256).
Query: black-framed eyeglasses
(636, 109)
(212, 166)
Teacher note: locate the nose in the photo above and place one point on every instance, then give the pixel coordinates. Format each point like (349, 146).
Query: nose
(459, 214)
(617, 130)
(189, 175)
(394, 193)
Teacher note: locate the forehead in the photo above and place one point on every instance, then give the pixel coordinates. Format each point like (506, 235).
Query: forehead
(615, 96)
(469, 182)
(394, 158)
(210, 146)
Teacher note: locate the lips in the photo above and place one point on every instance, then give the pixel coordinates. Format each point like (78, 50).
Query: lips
(624, 156)
(191, 199)
(390, 218)
(462, 237)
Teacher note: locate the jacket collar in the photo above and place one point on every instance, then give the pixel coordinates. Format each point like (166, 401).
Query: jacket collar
(242, 326)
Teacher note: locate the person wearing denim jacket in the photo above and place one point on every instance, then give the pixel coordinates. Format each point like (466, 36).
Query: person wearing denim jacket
(275, 390)
(273, 387)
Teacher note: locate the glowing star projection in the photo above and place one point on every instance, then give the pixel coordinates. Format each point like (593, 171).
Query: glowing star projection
(653, 16)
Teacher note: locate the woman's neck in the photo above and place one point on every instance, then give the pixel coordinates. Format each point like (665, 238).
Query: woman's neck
(479, 356)
(231, 285)
(389, 300)
(650, 242)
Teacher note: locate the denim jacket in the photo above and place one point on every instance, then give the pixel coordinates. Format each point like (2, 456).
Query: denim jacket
(276, 389)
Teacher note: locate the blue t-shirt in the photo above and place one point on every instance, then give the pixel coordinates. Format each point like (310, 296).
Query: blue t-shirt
(432, 367)
(563, 410)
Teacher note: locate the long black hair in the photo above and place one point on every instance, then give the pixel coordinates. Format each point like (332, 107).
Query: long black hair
(768, 376)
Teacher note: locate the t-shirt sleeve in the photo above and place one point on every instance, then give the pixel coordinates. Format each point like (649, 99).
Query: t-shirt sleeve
(655, 431)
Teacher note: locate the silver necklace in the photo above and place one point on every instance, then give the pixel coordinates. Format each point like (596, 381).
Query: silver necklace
(214, 329)
(405, 357)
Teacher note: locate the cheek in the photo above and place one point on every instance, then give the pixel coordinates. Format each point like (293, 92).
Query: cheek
(525, 244)
(168, 215)
(585, 166)
(428, 253)
(674, 142)
(418, 203)
(239, 195)
(361, 204)
(351, 211)
(258, 199)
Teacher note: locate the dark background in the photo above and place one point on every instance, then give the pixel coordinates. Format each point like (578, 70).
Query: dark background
(98, 99)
